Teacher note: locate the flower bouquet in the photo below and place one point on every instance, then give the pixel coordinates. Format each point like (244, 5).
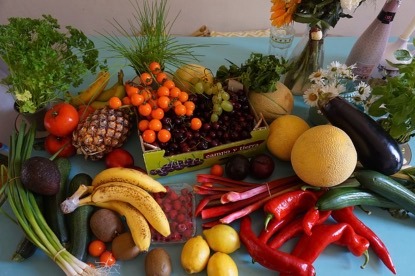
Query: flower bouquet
(337, 80)
(319, 15)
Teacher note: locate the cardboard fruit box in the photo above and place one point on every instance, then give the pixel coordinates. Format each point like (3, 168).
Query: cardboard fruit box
(158, 165)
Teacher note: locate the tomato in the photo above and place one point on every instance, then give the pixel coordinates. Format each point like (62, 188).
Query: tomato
(53, 144)
(96, 248)
(119, 158)
(84, 111)
(107, 259)
(61, 119)
(217, 170)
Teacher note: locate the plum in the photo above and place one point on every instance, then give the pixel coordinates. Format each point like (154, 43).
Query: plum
(237, 167)
(261, 166)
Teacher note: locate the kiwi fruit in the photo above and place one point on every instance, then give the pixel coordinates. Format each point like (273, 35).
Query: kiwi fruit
(123, 247)
(106, 224)
(40, 175)
(158, 263)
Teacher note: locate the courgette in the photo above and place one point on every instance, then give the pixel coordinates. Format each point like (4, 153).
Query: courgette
(78, 221)
(52, 211)
(387, 187)
(376, 149)
(350, 196)
(24, 250)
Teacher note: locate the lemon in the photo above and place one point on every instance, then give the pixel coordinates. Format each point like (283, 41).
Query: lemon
(221, 264)
(324, 156)
(222, 238)
(195, 255)
(283, 132)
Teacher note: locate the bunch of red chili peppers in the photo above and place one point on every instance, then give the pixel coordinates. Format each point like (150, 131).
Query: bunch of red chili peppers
(293, 214)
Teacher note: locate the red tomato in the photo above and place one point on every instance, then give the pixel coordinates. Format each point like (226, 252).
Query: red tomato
(119, 158)
(96, 248)
(84, 111)
(61, 119)
(54, 143)
(107, 259)
(217, 170)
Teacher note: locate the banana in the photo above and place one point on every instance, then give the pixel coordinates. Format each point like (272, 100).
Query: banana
(98, 104)
(128, 175)
(135, 196)
(92, 91)
(117, 89)
(137, 223)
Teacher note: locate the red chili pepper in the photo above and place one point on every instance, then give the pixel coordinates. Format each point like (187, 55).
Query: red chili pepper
(292, 202)
(314, 217)
(309, 248)
(347, 215)
(270, 258)
(294, 229)
(273, 226)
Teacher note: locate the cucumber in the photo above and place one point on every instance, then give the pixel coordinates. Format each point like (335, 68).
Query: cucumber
(52, 211)
(78, 221)
(387, 187)
(349, 196)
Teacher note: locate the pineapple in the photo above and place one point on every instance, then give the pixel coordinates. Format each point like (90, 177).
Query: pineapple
(102, 131)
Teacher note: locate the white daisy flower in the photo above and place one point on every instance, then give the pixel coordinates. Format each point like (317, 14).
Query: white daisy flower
(311, 97)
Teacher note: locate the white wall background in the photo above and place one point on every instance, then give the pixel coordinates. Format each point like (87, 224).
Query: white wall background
(95, 16)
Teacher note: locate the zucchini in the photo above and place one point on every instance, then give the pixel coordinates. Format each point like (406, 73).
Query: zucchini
(350, 196)
(78, 221)
(387, 187)
(376, 149)
(52, 211)
(24, 250)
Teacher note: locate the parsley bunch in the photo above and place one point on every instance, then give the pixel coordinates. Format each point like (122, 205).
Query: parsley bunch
(259, 73)
(394, 101)
(43, 61)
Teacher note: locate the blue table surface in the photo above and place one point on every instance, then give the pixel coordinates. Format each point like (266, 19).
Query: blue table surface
(396, 234)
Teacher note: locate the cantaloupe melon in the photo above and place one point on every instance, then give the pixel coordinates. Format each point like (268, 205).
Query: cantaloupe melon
(187, 75)
(324, 156)
(272, 104)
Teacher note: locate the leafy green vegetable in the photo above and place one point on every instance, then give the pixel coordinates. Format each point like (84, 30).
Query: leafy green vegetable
(259, 73)
(43, 61)
(394, 101)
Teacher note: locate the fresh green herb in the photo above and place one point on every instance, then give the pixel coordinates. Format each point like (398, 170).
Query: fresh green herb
(148, 39)
(394, 102)
(26, 210)
(259, 73)
(43, 61)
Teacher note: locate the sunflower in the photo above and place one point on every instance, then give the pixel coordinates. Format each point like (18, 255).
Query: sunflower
(282, 11)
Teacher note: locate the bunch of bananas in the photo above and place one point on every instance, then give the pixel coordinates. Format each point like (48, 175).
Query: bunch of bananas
(127, 192)
(96, 96)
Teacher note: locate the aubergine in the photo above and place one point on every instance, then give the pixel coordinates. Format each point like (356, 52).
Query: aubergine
(376, 149)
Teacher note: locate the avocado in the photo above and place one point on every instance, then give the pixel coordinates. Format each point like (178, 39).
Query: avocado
(40, 175)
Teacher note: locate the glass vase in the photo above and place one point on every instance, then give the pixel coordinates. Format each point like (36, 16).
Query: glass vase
(280, 40)
(306, 58)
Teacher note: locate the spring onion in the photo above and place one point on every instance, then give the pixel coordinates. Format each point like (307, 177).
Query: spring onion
(28, 214)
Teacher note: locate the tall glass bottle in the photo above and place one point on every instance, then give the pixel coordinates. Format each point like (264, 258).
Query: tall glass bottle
(368, 49)
(384, 69)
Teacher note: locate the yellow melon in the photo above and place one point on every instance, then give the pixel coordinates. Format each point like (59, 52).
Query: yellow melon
(324, 156)
(189, 74)
(272, 104)
(283, 132)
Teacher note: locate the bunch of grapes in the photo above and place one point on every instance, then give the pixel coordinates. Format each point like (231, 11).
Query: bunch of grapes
(220, 98)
